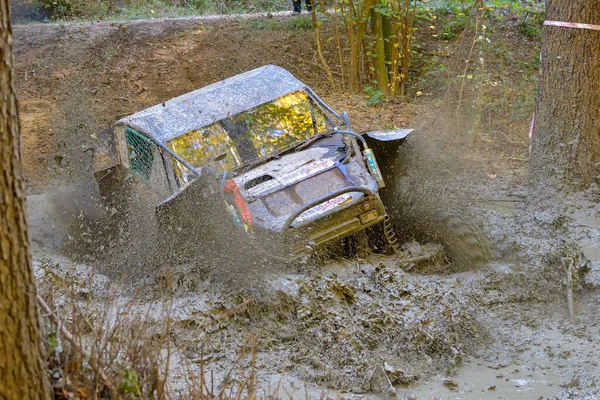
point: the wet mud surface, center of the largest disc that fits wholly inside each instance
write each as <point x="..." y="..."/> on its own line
<point x="364" y="328"/>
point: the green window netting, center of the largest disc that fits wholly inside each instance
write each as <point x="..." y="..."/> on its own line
<point x="141" y="153"/>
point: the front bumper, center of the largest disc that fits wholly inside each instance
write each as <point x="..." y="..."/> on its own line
<point x="340" y="223"/>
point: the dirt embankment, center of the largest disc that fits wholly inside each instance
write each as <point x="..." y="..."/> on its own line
<point x="75" y="80"/>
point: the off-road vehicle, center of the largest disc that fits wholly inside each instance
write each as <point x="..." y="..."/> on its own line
<point x="262" y="148"/>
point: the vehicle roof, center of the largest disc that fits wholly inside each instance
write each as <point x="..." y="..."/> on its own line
<point x="215" y="102"/>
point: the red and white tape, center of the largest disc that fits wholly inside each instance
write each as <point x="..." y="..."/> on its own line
<point x="572" y="25"/>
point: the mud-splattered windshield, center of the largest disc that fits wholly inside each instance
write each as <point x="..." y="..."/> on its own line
<point x="251" y="135"/>
<point x="276" y="126"/>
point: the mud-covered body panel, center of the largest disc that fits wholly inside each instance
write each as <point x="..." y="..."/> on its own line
<point x="215" y="102"/>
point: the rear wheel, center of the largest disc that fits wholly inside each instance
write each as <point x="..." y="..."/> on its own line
<point x="128" y="240"/>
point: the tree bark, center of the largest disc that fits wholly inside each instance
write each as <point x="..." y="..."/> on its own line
<point x="566" y="144"/>
<point x="22" y="372"/>
<point x="381" y="74"/>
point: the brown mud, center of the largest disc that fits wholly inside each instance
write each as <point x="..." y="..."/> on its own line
<point x="354" y="326"/>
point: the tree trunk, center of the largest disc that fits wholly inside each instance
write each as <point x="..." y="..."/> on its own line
<point x="356" y="18"/>
<point x="406" y="37"/>
<point x="566" y="144"/>
<point x="381" y="74"/>
<point x="386" y="27"/>
<point x="22" y="372"/>
<point x="317" y="27"/>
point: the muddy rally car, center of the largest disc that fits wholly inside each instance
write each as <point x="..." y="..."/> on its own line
<point x="257" y="158"/>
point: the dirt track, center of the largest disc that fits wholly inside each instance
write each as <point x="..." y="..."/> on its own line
<point x="501" y="331"/>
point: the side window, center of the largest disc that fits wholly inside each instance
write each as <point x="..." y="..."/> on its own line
<point x="207" y="146"/>
<point x="141" y="153"/>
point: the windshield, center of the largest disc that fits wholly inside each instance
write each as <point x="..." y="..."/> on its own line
<point x="251" y="135"/>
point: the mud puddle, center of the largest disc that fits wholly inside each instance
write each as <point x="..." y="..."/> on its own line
<point x="480" y="380"/>
<point x="536" y="352"/>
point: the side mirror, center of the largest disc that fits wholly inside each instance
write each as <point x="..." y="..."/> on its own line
<point x="389" y="135"/>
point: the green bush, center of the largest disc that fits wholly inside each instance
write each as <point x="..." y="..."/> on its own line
<point x="76" y="9"/>
<point x="299" y="24"/>
<point x="454" y="26"/>
<point x="532" y="23"/>
<point x="375" y="96"/>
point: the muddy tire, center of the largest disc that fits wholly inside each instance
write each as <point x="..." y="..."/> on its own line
<point x="465" y="245"/>
<point x="418" y="213"/>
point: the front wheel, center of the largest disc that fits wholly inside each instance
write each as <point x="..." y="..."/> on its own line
<point x="465" y="245"/>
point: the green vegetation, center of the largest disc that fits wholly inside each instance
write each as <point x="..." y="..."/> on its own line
<point x="454" y="26"/>
<point x="532" y="23"/>
<point x="374" y="95"/>
<point x="299" y="23"/>
<point x="263" y="24"/>
<point x="79" y="10"/>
